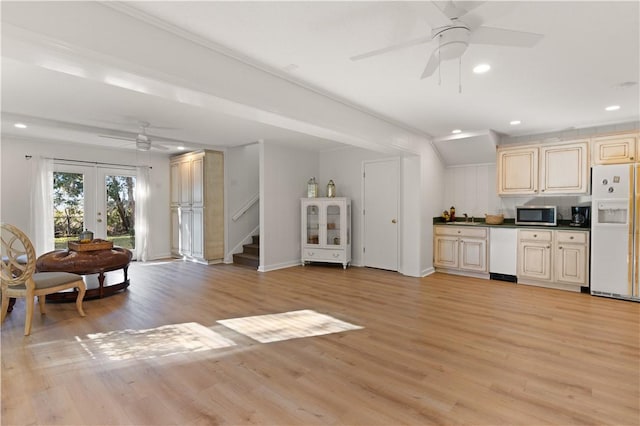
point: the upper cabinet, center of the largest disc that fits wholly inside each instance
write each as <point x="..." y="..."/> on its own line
<point x="544" y="169"/>
<point x="616" y="149"/>
<point x="564" y="169"/>
<point x="518" y="170"/>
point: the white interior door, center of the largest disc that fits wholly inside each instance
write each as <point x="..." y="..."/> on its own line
<point x="381" y="201"/>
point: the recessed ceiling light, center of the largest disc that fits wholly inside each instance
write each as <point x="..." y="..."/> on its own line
<point x="20" y="125"/>
<point x="456" y="131"/>
<point x="180" y="148"/>
<point x="481" y="68"/>
<point x="515" y="122"/>
<point x="612" y="108"/>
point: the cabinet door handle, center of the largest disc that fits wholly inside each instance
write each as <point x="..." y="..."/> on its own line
<point x="548" y="246"/>
<point x="394" y="221"/>
<point x="560" y="248"/>
<point x="571" y="238"/>
<point x="535" y="235"/>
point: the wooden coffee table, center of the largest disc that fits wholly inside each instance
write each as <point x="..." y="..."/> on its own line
<point x="87" y="263"/>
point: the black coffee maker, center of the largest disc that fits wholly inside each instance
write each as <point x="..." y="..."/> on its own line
<point x="581" y="216"/>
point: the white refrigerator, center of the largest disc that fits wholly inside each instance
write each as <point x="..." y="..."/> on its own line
<point x="615" y="231"/>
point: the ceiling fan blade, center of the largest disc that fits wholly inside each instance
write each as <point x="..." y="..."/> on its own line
<point x="432" y="65"/>
<point x="502" y="37"/>
<point x="431" y="13"/>
<point x="391" y="48"/>
<point x="118" y="137"/>
<point x="468" y="6"/>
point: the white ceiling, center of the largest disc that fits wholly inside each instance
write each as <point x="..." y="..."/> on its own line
<point x="589" y="49"/>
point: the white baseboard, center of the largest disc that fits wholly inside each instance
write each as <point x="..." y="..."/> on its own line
<point x="428" y="271"/>
<point x="282" y="265"/>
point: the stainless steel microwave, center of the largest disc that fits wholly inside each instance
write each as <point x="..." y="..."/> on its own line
<point x="537" y="215"/>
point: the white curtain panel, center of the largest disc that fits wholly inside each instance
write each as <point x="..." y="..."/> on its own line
<point x="142" y="211"/>
<point x="42" y="234"/>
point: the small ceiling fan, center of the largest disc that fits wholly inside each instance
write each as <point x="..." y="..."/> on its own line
<point x="142" y="140"/>
<point x="453" y="28"/>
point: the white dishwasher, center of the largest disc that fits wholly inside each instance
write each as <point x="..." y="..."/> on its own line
<point x="503" y="252"/>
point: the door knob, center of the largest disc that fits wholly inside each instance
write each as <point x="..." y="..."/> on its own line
<point x="394" y="221"/>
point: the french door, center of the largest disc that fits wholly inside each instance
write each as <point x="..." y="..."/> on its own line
<point x="95" y="198"/>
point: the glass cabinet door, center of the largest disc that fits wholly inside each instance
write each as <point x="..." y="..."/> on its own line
<point x="333" y="215"/>
<point x="313" y="224"/>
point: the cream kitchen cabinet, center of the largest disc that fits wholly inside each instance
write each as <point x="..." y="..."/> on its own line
<point x="553" y="258"/>
<point x="564" y="168"/>
<point x="544" y="169"/>
<point x="197" y="206"/>
<point x="461" y="250"/>
<point x="326" y="230"/>
<point x="518" y="170"/>
<point x="615" y="149"/>
<point x="534" y="255"/>
<point x="571" y="257"/>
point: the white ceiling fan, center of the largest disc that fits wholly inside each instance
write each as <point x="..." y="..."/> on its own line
<point x="142" y="140"/>
<point x="453" y="28"/>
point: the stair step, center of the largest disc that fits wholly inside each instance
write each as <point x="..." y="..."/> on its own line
<point x="246" y="259"/>
<point x="256" y="239"/>
<point x="251" y="249"/>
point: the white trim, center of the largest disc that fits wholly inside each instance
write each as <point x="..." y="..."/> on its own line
<point x="428" y="271"/>
<point x="282" y="265"/>
<point x="228" y="258"/>
<point x="245" y="207"/>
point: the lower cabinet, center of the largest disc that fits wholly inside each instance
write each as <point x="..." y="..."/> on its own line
<point x="553" y="258"/>
<point x="461" y="250"/>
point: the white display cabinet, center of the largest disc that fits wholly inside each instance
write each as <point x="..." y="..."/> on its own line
<point x="326" y="230"/>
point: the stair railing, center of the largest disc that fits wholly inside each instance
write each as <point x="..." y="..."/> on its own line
<point x="245" y="207"/>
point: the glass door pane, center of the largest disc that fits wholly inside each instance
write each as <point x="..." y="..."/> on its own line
<point x="117" y="219"/>
<point x="313" y="224"/>
<point x="68" y="207"/>
<point x="333" y="225"/>
<point x="73" y="202"/>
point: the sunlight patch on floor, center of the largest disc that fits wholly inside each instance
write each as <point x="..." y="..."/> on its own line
<point x="151" y="343"/>
<point x="287" y="325"/>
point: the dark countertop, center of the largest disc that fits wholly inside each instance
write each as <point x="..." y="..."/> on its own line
<point x="509" y="223"/>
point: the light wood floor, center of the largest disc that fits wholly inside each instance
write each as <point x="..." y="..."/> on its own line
<point x="437" y="350"/>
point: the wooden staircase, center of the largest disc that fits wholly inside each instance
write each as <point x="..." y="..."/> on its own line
<point x="250" y="255"/>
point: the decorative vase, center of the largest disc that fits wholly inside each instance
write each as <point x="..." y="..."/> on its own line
<point x="312" y="188"/>
<point x="331" y="189"/>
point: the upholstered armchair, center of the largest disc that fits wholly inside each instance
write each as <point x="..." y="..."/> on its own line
<point x="20" y="279"/>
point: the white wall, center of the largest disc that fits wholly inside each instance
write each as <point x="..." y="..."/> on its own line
<point x="284" y="172"/>
<point x="432" y="198"/>
<point x="410" y="225"/>
<point x="16" y="181"/>
<point x="472" y="190"/>
<point x="242" y="184"/>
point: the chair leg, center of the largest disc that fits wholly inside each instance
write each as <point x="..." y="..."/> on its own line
<point x="29" y="301"/>
<point x="41" y="300"/>
<point x="5" y="307"/>
<point x="82" y="288"/>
